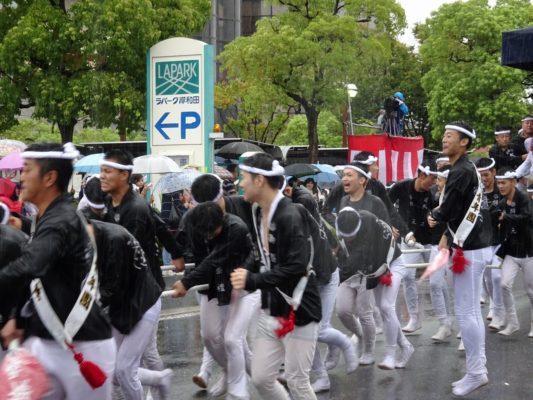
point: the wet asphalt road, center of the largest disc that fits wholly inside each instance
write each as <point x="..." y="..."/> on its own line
<point x="428" y="375"/>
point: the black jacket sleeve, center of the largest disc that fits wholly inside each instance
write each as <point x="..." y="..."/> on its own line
<point x="165" y="236"/>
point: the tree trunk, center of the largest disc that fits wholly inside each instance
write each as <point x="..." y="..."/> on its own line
<point x="312" y="133"/>
<point x="122" y="134"/>
<point x="67" y="131"/>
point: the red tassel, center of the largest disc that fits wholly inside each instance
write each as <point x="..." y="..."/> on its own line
<point x="287" y="324"/>
<point x="386" y="279"/>
<point x="92" y="373"/>
<point x="459" y="263"/>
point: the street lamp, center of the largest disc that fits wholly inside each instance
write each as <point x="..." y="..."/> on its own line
<point x="352" y="92"/>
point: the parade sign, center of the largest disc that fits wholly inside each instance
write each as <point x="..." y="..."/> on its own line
<point x="180" y="104"/>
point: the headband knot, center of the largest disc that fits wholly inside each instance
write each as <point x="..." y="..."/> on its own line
<point x="462" y="130"/>
<point x="69" y="153"/>
<point x="277" y="170"/>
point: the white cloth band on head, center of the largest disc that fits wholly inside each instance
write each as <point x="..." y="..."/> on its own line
<point x="426" y="170"/>
<point x="444" y="174"/>
<point x="369" y="161"/>
<point x="502" y="132"/>
<point x="527" y="119"/>
<point x="69" y="153"/>
<point x="94" y="205"/>
<point x="507" y="175"/>
<point x="107" y="163"/>
<point x="354" y="232"/>
<point x="442" y="159"/>
<point x="462" y="130"/>
<point x="530" y="189"/>
<point x="490" y="166"/>
<point x="361" y="171"/>
<point x="277" y="170"/>
<point x="7" y="213"/>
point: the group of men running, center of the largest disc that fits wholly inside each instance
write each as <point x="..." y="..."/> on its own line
<point x="85" y="285"/>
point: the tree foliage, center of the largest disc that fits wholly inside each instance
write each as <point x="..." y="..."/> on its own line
<point x="461" y="46"/>
<point x="329" y="131"/>
<point x="310" y="52"/>
<point x="87" y="61"/>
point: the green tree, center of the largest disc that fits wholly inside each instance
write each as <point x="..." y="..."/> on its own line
<point x="329" y="131"/>
<point x="87" y="61"/>
<point x="461" y="47"/>
<point x="311" y="51"/>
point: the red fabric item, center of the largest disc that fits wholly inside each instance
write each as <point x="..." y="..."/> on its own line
<point x="398" y="156"/>
<point x="14" y="206"/>
<point x="7" y="188"/>
<point x="386" y="279"/>
<point x="92" y="373"/>
<point x="459" y="262"/>
<point x="286" y="324"/>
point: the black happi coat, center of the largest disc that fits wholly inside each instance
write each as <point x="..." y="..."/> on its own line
<point x="516" y="228"/>
<point x="493" y="200"/>
<point x="505" y="158"/>
<point x="60" y="254"/>
<point x="377" y="188"/>
<point x="127" y="286"/>
<point x="461" y="187"/>
<point x="368" y="202"/>
<point x="218" y="257"/>
<point x="414" y="207"/>
<point x="289" y="256"/>
<point x="11" y="242"/>
<point x="368" y="250"/>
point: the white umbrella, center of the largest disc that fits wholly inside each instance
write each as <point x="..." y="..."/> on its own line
<point x="154" y="164"/>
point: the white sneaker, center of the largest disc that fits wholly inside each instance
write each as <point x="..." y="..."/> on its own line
<point x="496" y="324"/>
<point x="405" y="354"/>
<point x="351" y="357"/>
<point x="201" y="380"/>
<point x="332" y="357"/>
<point x="469" y="384"/>
<point x="220" y="387"/>
<point x="461" y="346"/>
<point x="164" y="386"/>
<point x="455" y="383"/>
<point x="367" y="359"/>
<point x="530" y="334"/>
<point x="509" y="330"/>
<point x="443" y="333"/>
<point x="322" y="384"/>
<point x="388" y="363"/>
<point x="412" y="326"/>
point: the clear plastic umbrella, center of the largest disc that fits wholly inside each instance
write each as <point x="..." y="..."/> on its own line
<point x="8" y="146"/>
<point x="154" y="164"/>
<point x="173" y="182"/>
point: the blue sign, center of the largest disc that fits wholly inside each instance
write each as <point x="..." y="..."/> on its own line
<point x="188" y="120"/>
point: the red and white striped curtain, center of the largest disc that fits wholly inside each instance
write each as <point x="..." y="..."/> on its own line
<point x="398" y="156"/>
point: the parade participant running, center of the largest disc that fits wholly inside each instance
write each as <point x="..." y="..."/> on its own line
<point x="60" y="260"/>
<point x="492" y="278"/>
<point x="286" y="332"/>
<point x="516" y="234"/>
<point x="460" y="208"/>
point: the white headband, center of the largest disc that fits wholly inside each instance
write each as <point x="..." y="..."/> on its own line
<point x="444" y="174"/>
<point x="462" y="130"/>
<point x="277" y="170"/>
<point x="530" y="189"/>
<point x="527" y="119"/>
<point x="361" y="171"/>
<point x="354" y="232"/>
<point x="94" y="205"/>
<point x="115" y="165"/>
<point x="502" y="132"/>
<point x="69" y="153"/>
<point x="7" y="213"/>
<point x="490" y="166"/>
<point x="426" y="170"/>
<point x="369" y="161"/>
<point x="219" y="194"/>
<point x="441" y="159"/>
<point x="507" y="175"/>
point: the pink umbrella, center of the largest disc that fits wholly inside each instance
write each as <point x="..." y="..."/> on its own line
<point x="11" y="161"/>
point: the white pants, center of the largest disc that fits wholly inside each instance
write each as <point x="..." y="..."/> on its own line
<point x="326" y="333"/>
<point x="492" y="279"/>
<point x="410" y="289"/>
<point x="440" y="295"/>
<point x="296" y="350"/>
<point x="65" y="379"/>
<point x="386" y="301"/>
<point x="467" y="290"/>
<point x="224" y="331"/>
<point x="208" y="361"/>
<point x="510" y="268"/>
<point x="130" y="349"/>
<point x="355" y="301"/>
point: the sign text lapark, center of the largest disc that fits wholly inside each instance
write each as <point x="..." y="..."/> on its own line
<point x="177" y="77"/>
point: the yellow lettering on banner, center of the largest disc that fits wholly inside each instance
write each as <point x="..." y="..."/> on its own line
<point x="471" y="217"/>
<point x="85" y="300"/>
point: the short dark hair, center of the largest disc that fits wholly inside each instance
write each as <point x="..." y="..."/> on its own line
<point x="136" y="177"/>
<point x="206" y="218"/>
<point x="93" y="191"/>
<point x="205" y="188"/>
<point x="264" y="161"/>
<point x="503" y="170"/>
<point x="62" y="166"/>
<point x="446" y="167"/>
<point x="120" y="156"/>
<point x="464" y="125"/>
<point x="484" y="162"/>
<point x="363" y="156"/>
<point x="428" y="163"/>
